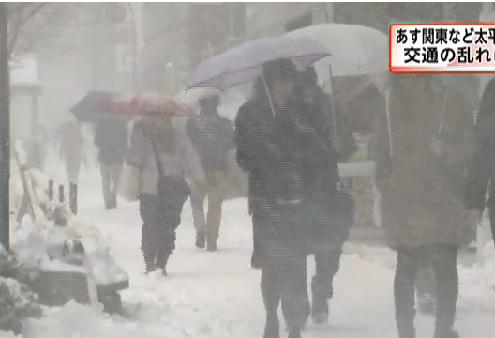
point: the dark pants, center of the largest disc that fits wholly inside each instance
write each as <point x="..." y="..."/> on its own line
<point x="330" y="231"/>
<point x="160" y="220"/>
<point x="327" y="266"/>
<point x="444" y="261"/>
<point x="425" y="287"/>
<point x="284" y="269"/>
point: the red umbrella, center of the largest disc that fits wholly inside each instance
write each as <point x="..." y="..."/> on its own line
<point x="142" y="104"/>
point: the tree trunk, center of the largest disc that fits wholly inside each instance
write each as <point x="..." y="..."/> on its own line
<point x="4" y="129"/>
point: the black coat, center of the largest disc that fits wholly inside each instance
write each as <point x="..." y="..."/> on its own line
<point x="288" y="155"/>
<point x="481" y="169"/>
<point x="212" y="145"/>
<point x="111" y="140"/>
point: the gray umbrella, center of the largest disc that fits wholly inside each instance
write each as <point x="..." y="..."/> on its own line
<point x="243" y="64"/>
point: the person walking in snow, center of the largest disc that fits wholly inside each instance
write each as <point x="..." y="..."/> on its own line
<point x="481" y="173"/>
<point x="72" y="149"/>
<point x="168" y="165"/>
<point x="330" y="206"/>
<point x="293" y="176"/>
<point x="265" y="149"/>
<point x="419" y="151"/>
<point x="212" y="137"/>
<point x="111" y="141"/>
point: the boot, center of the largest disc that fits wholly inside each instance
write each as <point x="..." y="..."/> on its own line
<point x="162" y="260"/>
<point x="200" y="240"/>
<point x="271" y="327"/>
<point x="406" y="329"/>
<point x="319" y="306"/>
<point x="295" y="333"/>
<point x="449" y="333"/>
<point x="149" y="264"/>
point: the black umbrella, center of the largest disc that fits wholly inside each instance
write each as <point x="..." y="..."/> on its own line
<point x="93" y="106"/>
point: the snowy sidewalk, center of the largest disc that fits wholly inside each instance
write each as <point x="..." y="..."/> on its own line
<point x="217" y="294"/>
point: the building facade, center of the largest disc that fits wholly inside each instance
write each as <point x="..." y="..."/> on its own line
<point x="177" y="37"/>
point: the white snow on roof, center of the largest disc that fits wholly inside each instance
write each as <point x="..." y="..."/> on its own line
<point x="24" y="71"/>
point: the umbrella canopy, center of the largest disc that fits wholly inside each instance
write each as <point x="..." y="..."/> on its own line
<point x="356" y="49"/>
<point x="243" y="64"/>
<point x="145" y="103"/>
<point x="92" y="106"/>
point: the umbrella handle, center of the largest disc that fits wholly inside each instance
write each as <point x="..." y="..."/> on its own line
<point x="272" y="107"/>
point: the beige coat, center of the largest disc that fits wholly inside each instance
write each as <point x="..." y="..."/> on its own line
<point x="184" y="161"/>
<point x="421" y="204"/>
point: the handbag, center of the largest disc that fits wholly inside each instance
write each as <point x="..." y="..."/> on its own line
<point x="332" y="217"/>
<point x="170" y="186"/>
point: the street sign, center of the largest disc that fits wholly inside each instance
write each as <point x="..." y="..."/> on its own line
<point x="124" y="58"/>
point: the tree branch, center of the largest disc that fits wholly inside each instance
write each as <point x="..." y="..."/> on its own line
<point x="21" y="20"/>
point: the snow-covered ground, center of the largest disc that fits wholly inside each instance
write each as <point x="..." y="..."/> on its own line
<point x="217" y="294"/>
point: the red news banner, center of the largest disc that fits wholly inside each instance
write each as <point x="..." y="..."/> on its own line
<point x="442" y="48"/>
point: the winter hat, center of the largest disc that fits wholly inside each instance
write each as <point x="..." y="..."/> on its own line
<point x="309" y="76"/>
<point x="209" y="101"/>
<point x="281" y="68"/>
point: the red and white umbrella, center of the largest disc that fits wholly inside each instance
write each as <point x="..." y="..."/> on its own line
<point x="146" y="103"/>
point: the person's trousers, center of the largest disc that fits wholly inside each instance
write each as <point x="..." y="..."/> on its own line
<point x="211" y="190"/>
<point x="285" y="281"/>
<point x="327" y="264"/>
<point x="110" y="179"/>
<point x="73" y="169"/>
<point x="444" y="262"/>
<point x="425" y="284"/>
<point x="283" y="270"/>
<point x="160" y="220"/>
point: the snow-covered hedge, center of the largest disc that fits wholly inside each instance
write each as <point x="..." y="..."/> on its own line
<point x="17" y="300"/>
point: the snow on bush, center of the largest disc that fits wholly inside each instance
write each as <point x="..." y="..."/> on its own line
<point x="17" y="301"/>
<point x="42" y="244"/>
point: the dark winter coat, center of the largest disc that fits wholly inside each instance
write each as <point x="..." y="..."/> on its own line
<point x="284" y="155"/>
<point x="341" y="133"/>
<point x="212" y="140"/>
<point x="421" y="177"/>
<point x="111" y="140"/>
<point x="482" y="166"/>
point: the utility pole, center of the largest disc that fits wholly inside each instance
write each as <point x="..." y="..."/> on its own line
<point x="4" y="130"/>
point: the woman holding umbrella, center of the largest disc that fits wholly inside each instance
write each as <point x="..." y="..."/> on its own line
<point x="165" y="162"/>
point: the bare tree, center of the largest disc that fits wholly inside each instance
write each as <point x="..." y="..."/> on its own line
<point x="18" y="15"/>
<point x="40" y="27"/>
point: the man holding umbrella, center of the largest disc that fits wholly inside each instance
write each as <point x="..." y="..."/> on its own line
<point x="269" y="148"/>
<point x="212" y="137"/>
<point x="267" y="151"/>
<point x="110" y="139"/>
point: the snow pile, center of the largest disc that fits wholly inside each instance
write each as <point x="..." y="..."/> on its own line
<point x="475" y="281"/>
<point x="42" y="243"/>
<point x="17" y="301"/>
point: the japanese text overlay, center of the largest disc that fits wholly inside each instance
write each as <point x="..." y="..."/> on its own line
<point x="445" y="48"/>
